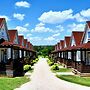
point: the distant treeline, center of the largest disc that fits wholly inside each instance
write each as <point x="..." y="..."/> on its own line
<point x="43" y="50"/>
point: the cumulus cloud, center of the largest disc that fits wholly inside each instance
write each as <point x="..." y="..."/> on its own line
<point x="22" y="4"/>
<point x="19" y="16"/>
<point x="79" y="18"/>
<point x="49" y="38"/>
<point x="59" y="28"/>
<point x="85" y="13"/>
<point x="6" y="17"/>
<point x="76" y="27"/>
<point x="53" y="17"/>
<point x="22" y="30"/>
<point x="56" y="35"/>
<point x="26" y="25"/>
<point x="41" y="28"/>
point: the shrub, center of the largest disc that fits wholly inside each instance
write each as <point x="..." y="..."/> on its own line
<point x="50" y="62"/>
<point x="55" y="67"/>
<point x="34" y="61"/>
<point x="27" y="67"/>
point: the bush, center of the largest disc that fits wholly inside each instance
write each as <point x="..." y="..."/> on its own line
<point x="27" y="67"/>
<point x="50" y="62"/>
<point x="55" y="67"/>
<point x="34" y="61"/>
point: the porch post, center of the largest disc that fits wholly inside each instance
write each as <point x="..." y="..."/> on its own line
<point x="11" y="53"/>
<point x="85" y="56"/>
<point x="81" y="56"/>
<point x="18" y="54"/>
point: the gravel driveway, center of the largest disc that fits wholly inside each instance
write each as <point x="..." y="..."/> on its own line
<point x="43" y="79"/>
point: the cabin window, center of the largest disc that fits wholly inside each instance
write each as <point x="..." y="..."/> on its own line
<point x="69" y="55"/>
<point x="59" y="54"/>
<point x="88" y="58"/>
<point x="62" y="54"/>
<point x="3" y="55"/>
<point x="89" y="35"/>
<point x="78" y="56"/>
<point x="20" y="53"/>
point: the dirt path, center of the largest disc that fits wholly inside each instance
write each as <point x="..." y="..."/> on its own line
<point x="43" y="79"/>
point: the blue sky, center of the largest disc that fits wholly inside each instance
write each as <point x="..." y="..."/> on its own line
<point x="45" y="22"/>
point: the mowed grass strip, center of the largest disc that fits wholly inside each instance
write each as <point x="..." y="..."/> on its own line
<point x="76" y="79"/>
<point x="12" y="83"/>
<point x="62" y="70"/>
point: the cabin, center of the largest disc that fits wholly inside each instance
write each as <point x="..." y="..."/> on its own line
<point x="76" y="38"/>
<point x="67" y="53"/>
<point x="83" y="53"/>
<point x="61" y="52"/>
<point x="4" y="37"/>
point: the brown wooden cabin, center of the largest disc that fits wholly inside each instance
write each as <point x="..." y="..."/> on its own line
<point x="67" y="53"/>
<point x="11" y="51"/>
<point x="60" y="52"/>
<point x="82" y="52"/>
<point x="76" y="38"/>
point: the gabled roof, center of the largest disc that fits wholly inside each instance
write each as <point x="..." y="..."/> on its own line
<point x="67" y="40"/>
<point x="62" y="44"/>
<point x="29" y="45"/>
<point x="88" y="23"/>
<point x="86" y="28"/>
<point x="25" y="42"/>
<point x="58" y="45"/>
<point x="1" y="21"/>
<point x="21" y="38"/>
<point x="12" y="34"/>
<point x="77" y="36"/>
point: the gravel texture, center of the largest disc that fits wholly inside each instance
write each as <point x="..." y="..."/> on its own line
<point x="43" y="79"/>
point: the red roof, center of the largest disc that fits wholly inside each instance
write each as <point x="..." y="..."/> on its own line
<point x="67" y="40"/>
<point x="12" y="34"/>
<point x="62" y="43"/>
<point x="7" y="43"/>
<point x="25" y="42"/>
<point x="21" y="39"/>
<point x="1" y="21"/>
<point x="58" y="46"/>
<point x="77" y="36"/>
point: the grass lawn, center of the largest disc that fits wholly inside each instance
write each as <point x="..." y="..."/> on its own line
<point x="62" y="70"/>
<point x="76" y="79"/>
<point x="12" y="83"/>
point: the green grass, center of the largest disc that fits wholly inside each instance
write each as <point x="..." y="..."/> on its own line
<point x="31" y="70"/>
<point x="12" y="83"/>
<point x="62" y="70"/>
<point x="76" y="79"/>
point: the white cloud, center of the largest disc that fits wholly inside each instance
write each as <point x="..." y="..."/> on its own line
<point x="56" y="34"/>
<point x="22" y="30"/>
<point x="26" y="25"/>
<point x="49" y="38"/>
<point x="22" y="4"/>
<point x="76" y="27"/>
<point x="6" y="17"/>
<point x="53" y="17"/>
<point x="79" y="18"/>
<point x="41" y="28"/>
<point x="19" y="16"/>
<point x="85" y="13"/>
<point x="28" y="35"/>
<point x="60" y="28"/>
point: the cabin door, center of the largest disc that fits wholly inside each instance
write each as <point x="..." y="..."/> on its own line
<point x="88" y="58"/>
<point x="2" y="55"/>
